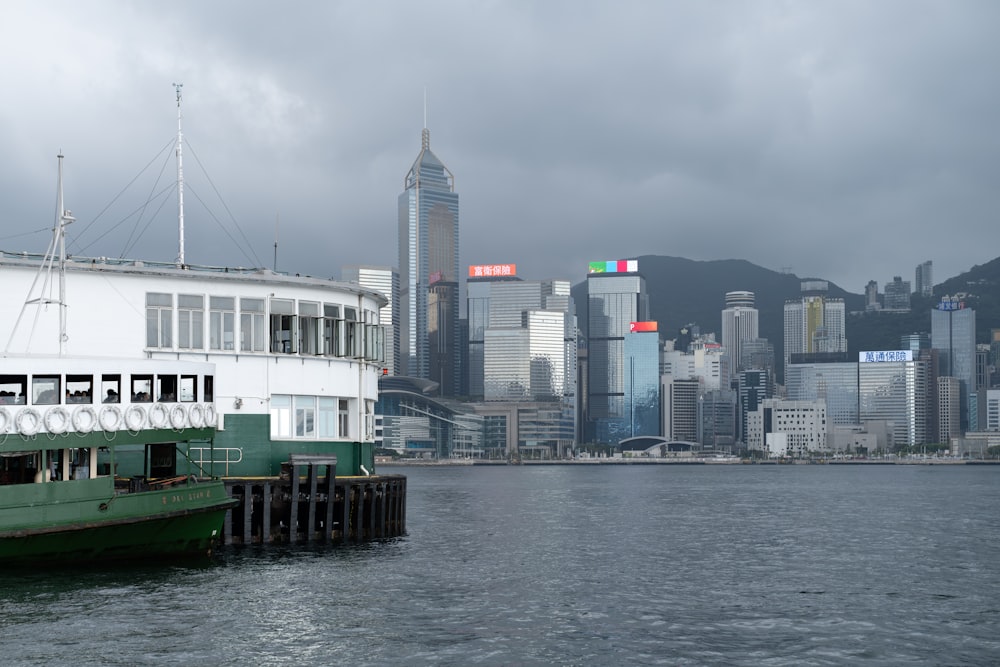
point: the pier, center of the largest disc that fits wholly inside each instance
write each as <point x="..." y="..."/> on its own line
<point x="309" y="503"/>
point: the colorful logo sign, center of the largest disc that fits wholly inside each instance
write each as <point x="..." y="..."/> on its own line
<point x="492" y="270"/>
<point x="636" y="327"/>
<point x="614" y="266"/>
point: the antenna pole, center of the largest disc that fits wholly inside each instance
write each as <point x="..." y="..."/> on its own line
<point x="65" y="217"/>
<point x="180" y="181"/>
<point x="277" y="218"/>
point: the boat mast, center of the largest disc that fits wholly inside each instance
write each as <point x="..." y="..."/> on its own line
<point x="180" y="181"/>
<point x="65" y="218"/>
<point x="57" y="247"/>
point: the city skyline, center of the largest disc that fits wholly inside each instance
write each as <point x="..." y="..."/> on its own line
<point x="681" y="131"/>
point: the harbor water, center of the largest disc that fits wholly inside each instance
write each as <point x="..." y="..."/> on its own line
<point x="574" y="565"/>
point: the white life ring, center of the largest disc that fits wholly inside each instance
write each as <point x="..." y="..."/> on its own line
<point x="28" y="421"/>
<point x="57" y="420"/>
<point x="84" y="419"/>
<point x="158" y="415"/>
<point x="178" y="416"/>
<point x="135" y="417"/>
<point x="197" y="415"/>
<point x="211" y="416"/>
<point x="4" y="419"/>
<point x="110" y="417"/>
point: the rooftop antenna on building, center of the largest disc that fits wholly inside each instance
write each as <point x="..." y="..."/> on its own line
<point x="180" y="181"/>
<point x="425" y="136"/>
<point x="277" y="218"/>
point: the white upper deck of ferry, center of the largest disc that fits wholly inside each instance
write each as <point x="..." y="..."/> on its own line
<point x="277" y="341"/>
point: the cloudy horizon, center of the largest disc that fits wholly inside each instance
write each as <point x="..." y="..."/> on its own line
<point x="848" y="141"/>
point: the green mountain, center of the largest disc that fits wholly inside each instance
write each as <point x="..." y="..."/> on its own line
<point x="684" y="292"/>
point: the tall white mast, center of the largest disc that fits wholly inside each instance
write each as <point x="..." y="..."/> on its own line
<point x="57" y="247"/>
<point x="65" y="217"/>
<point x="180" y="181"/>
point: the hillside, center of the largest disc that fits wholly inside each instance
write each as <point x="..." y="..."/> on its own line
<point x="683" y="291"/>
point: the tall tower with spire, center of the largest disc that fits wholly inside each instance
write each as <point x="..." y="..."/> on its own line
<point x="428" y="272"/>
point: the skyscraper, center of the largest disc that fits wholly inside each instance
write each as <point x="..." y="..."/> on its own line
<point x="814" y="322"/>
<point x="386" y="280"/>
<point x="428" y="272"/>
<point x="892" y="388"/>
<point x="953" y="335"/>
<point x="616" y="297"/>
<point x="642" y="380"/>
<point x="924" y="284"/>
<point x="897" y="295"/>
<point x="739" y="324"/>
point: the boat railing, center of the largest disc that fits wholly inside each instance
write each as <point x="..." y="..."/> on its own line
<point x="209" y="456"/>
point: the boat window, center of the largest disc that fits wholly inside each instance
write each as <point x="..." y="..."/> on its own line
<point x="191" y="321"/>
<point x="222" y="320"/>
<point x="166" y="388"/>
<point x="252" y="337"/>
<point x="305" y="416"/>
<point x="79" y="388"/>
<point x="159" y="319"/>
<point x="343" y="418"/>
<point x="80" y="463"/>
<point x="353" y="335"/>
<point x="111" y="388"/>
<point x="13" y="389"/>
<point x="333" y="337"/>
<point x="142" y="388"/>
<point x="331" y="310"/>
<point x="45" y="389"/>
<point x="209" y="388"/>
<point x="281" y="416"/>
<point x="283" y="326"/>
<point x="310" y="328"/>
<point x="281" y="334"/>
<point x="189" y="388"/>
<point x="327" y="417"/>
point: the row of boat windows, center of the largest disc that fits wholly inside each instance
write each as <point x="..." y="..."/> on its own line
<point x="48" y="465"/>
<point x="72" y="389"/>
<point x="319" y="417"/>
<point x="246" y="325"/>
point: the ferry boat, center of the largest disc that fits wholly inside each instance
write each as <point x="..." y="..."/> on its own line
<point x="298" y="358"/>
<point x="66" y="427"/>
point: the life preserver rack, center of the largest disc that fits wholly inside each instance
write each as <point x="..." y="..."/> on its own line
<point x="29" y="420"/>
<point x="77" y="396"/>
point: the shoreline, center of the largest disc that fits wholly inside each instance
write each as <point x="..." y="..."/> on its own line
<point x="401" y="463"/>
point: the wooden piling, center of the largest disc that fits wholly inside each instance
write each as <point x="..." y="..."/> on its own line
<point x="308" y="503"/>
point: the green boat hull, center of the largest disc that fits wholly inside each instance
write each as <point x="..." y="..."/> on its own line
<point x="87" y="520"/>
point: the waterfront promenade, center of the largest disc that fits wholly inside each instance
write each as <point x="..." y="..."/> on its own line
<point x="684" y="461"/>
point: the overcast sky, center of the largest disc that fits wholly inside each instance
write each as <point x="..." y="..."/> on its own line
<point x="844" y="140"/>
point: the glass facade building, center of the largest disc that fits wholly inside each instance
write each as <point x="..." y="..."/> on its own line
<point x="953" y="335"/>
<point x="614" y="301"/>
<point x="642" y="383"/>
<point x="893" y="388"/>
<point x="836" y="383"/>
<point x="523" y="352"/>
<point x="428" y="273"/>
<point x="814" y="322"/>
